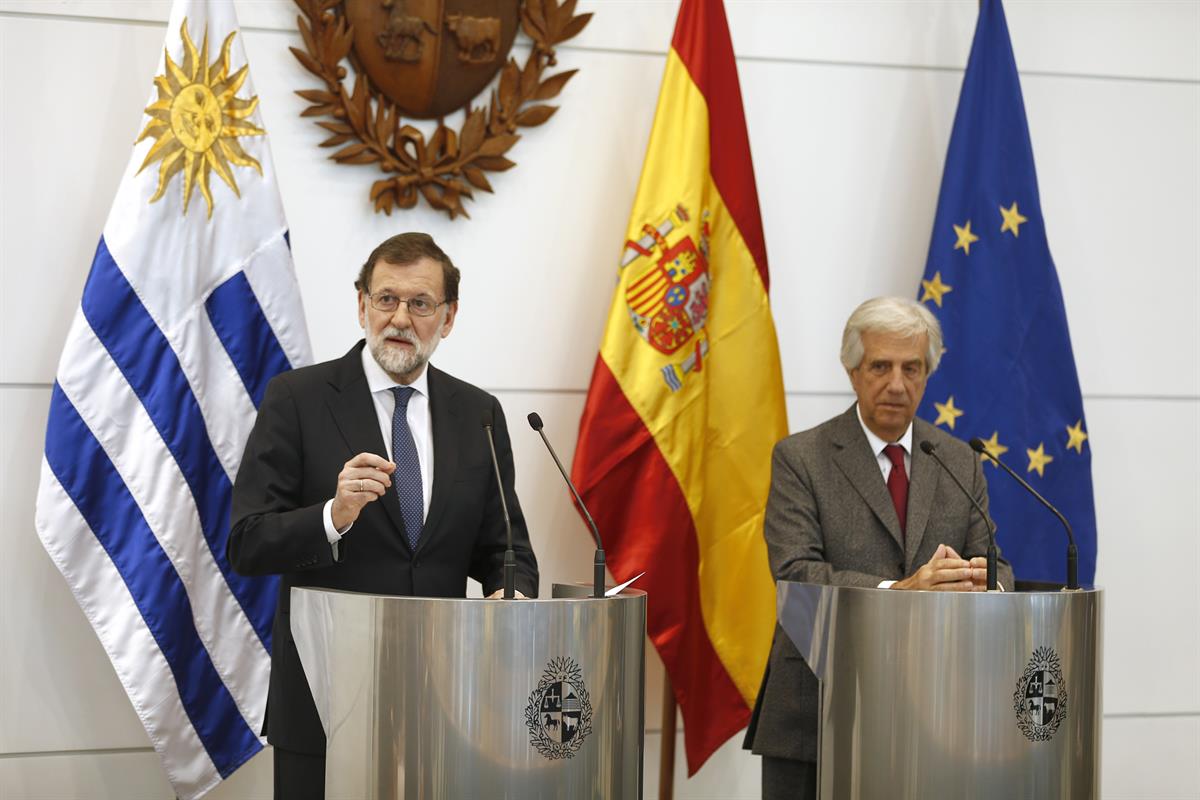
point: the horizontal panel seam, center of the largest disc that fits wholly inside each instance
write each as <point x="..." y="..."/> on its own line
<point x="662" y="53"/>
<point x="654" y="731"/>
<point x="1166" y="398"/>
<point x="99" y="751"/>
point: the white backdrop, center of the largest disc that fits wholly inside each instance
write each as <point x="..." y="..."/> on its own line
<point x="849" y="106"/>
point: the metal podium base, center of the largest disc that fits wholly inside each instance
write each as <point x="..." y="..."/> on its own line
<point x="950" y="694"/>
<point x="451" y="698"/>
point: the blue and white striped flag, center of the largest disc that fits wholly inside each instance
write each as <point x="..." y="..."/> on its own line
<point x="190" y="308"/>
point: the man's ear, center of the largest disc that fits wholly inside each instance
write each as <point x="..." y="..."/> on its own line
<point x="362" y="309"/>
<point x="448" y="322"/>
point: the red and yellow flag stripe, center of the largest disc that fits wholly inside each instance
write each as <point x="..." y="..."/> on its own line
<point x="686" y="399"/>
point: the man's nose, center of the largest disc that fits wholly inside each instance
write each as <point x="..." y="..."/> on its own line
<point x="896" y="381"/>
<point x="400" y="317"/>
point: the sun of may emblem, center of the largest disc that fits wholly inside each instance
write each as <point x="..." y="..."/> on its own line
<point x="197" y="119"/>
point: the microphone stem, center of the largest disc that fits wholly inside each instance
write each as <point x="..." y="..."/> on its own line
<point x="1072" y="550"/>
<point x="598" y="561"/>
<point x="510" y="557"/>
<point x="992" y="554"/>
<point x="578" y="500"/>
<point x="535" y="422"/>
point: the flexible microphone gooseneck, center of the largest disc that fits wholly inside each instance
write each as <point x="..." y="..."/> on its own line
<point x="510" y="558"/>
<point x="930" y="449"/>
<point x="535" y="422"/>
<point x="1072" y="551"/>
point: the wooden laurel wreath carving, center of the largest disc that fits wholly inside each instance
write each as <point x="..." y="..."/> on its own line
<point x="367" y="125"/>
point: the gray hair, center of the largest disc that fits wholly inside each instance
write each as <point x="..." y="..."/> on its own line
<point x="895" y="315"/>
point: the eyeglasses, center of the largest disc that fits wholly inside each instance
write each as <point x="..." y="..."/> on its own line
<point x="420" y="306"/>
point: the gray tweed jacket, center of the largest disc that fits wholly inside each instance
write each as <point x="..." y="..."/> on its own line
<point x="830" y="520"/>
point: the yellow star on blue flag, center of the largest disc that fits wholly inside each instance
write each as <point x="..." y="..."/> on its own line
<point x="1009" y="358"/>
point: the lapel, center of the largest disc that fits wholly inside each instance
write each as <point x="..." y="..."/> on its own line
<point x="852" y="454"/>
<point x="922" y="486"/>
<point x="443" y="411"/>
<point x="353" y="412"/>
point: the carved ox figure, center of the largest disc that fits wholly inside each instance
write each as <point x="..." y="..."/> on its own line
<point x="478" y="38"/>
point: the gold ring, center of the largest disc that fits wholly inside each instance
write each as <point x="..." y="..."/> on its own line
<point x="360" y="484"/>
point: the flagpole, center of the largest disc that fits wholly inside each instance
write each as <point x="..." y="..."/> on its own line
<point x="666" y="760"/>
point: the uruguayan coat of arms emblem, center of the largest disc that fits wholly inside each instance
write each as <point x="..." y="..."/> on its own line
<point x="1040" y="699"/>
<point x="559" y="714"/>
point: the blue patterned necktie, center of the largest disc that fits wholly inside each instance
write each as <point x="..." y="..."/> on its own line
<point x="406" y="480"/>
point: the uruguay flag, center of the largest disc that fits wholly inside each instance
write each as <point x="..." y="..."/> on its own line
<point x="190" y="307"/>
<point x="1008" y="375"/>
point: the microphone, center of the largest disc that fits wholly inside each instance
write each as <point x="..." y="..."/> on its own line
<point x="929" y="449"/>
<point x="510" y="558"/>
<point x="1072" y="551"/>
<point x="535" y="422"/>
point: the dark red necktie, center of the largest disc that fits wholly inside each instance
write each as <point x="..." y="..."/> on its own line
<point x="897" y="483"/>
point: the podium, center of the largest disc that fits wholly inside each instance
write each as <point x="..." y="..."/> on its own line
<point x="449" y="698"/>
<point x="951" y="694"/>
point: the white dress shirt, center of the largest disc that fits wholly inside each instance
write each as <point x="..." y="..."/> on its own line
<point x="877" y="445"/>
<point x="885" y="463"/>
<point x="420" y="422"/>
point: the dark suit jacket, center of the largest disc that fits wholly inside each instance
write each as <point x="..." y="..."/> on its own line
<point x="830" y="520"/>
<point x="312" y="421"/>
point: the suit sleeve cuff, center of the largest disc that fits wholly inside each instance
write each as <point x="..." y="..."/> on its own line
<point x="332" y="533"/>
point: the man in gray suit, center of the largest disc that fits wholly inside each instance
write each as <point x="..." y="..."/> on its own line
<point x="844" y="511"/>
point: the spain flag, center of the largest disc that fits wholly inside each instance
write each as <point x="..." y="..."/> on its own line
<point x="686" y="400"/>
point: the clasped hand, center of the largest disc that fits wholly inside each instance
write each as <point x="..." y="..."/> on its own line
<point x="947" y="571"/>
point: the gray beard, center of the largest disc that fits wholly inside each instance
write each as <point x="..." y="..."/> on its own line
<point x="400" y="364"/>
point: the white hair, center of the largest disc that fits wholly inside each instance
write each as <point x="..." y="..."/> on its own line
<point x="899" y="316"/>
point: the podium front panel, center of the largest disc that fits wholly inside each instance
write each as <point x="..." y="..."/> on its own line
<point x="950" y="694"/>
<point x="453" y="698"/>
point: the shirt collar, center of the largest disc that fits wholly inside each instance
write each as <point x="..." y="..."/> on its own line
<point x="380" y="381"/>
<point x="876" y="443"/>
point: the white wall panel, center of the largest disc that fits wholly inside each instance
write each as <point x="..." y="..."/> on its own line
<point x="848" y="162"/>
<point x="128" y="775"/>
<point x="84" y="776"/>
<point x="1145" y="470"/>
<point x="58" y="690"/>
<point x="1151" y="758"/>
<point x="1119" y="170"/>
<point x="1129" y="37"/>
<point x="68" y="123"/>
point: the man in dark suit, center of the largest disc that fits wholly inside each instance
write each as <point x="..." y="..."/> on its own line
<point x="843" y="511"/>
<point x="372" y="473"/>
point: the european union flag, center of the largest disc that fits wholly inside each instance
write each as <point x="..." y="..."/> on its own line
<point x="1008" y="374"/>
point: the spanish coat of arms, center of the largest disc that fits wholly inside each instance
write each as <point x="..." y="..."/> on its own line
<point x="667" y="289"/>
<point x="426" y="59"/>
<point x="1040" y="699"/>
<point x="559" y="714"/>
